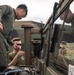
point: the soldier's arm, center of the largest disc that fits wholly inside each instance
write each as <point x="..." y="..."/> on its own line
<point x="5" y="10"/>
<point x="14" y="61"/>
<point x="18" y="55"/>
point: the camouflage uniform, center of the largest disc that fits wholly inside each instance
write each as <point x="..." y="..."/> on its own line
<point x="7" y="17"/>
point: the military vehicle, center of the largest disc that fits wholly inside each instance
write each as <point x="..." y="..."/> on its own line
<point x="49" y="48"/>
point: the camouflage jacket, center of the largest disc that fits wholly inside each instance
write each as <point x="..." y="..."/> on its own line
<point x="7" y="17"/>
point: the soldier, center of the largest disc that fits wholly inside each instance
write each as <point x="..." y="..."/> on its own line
<point x="69" y="15"/>
<point x="7" y="18"/>
<point x="69" y="18"/>
<point x="17" y="56"/>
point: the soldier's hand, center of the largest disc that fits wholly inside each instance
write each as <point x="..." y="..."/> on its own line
<point x="21" y="53"/>
<point x="1" y="26"/>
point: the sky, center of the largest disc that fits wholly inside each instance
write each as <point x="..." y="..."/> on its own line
<point x="38" y="10"/>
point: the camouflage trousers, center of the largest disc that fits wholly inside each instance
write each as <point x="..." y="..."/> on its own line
<point x="3" y="52"/>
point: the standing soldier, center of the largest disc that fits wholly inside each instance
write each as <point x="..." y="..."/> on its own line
<point x="7" y="18"/>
